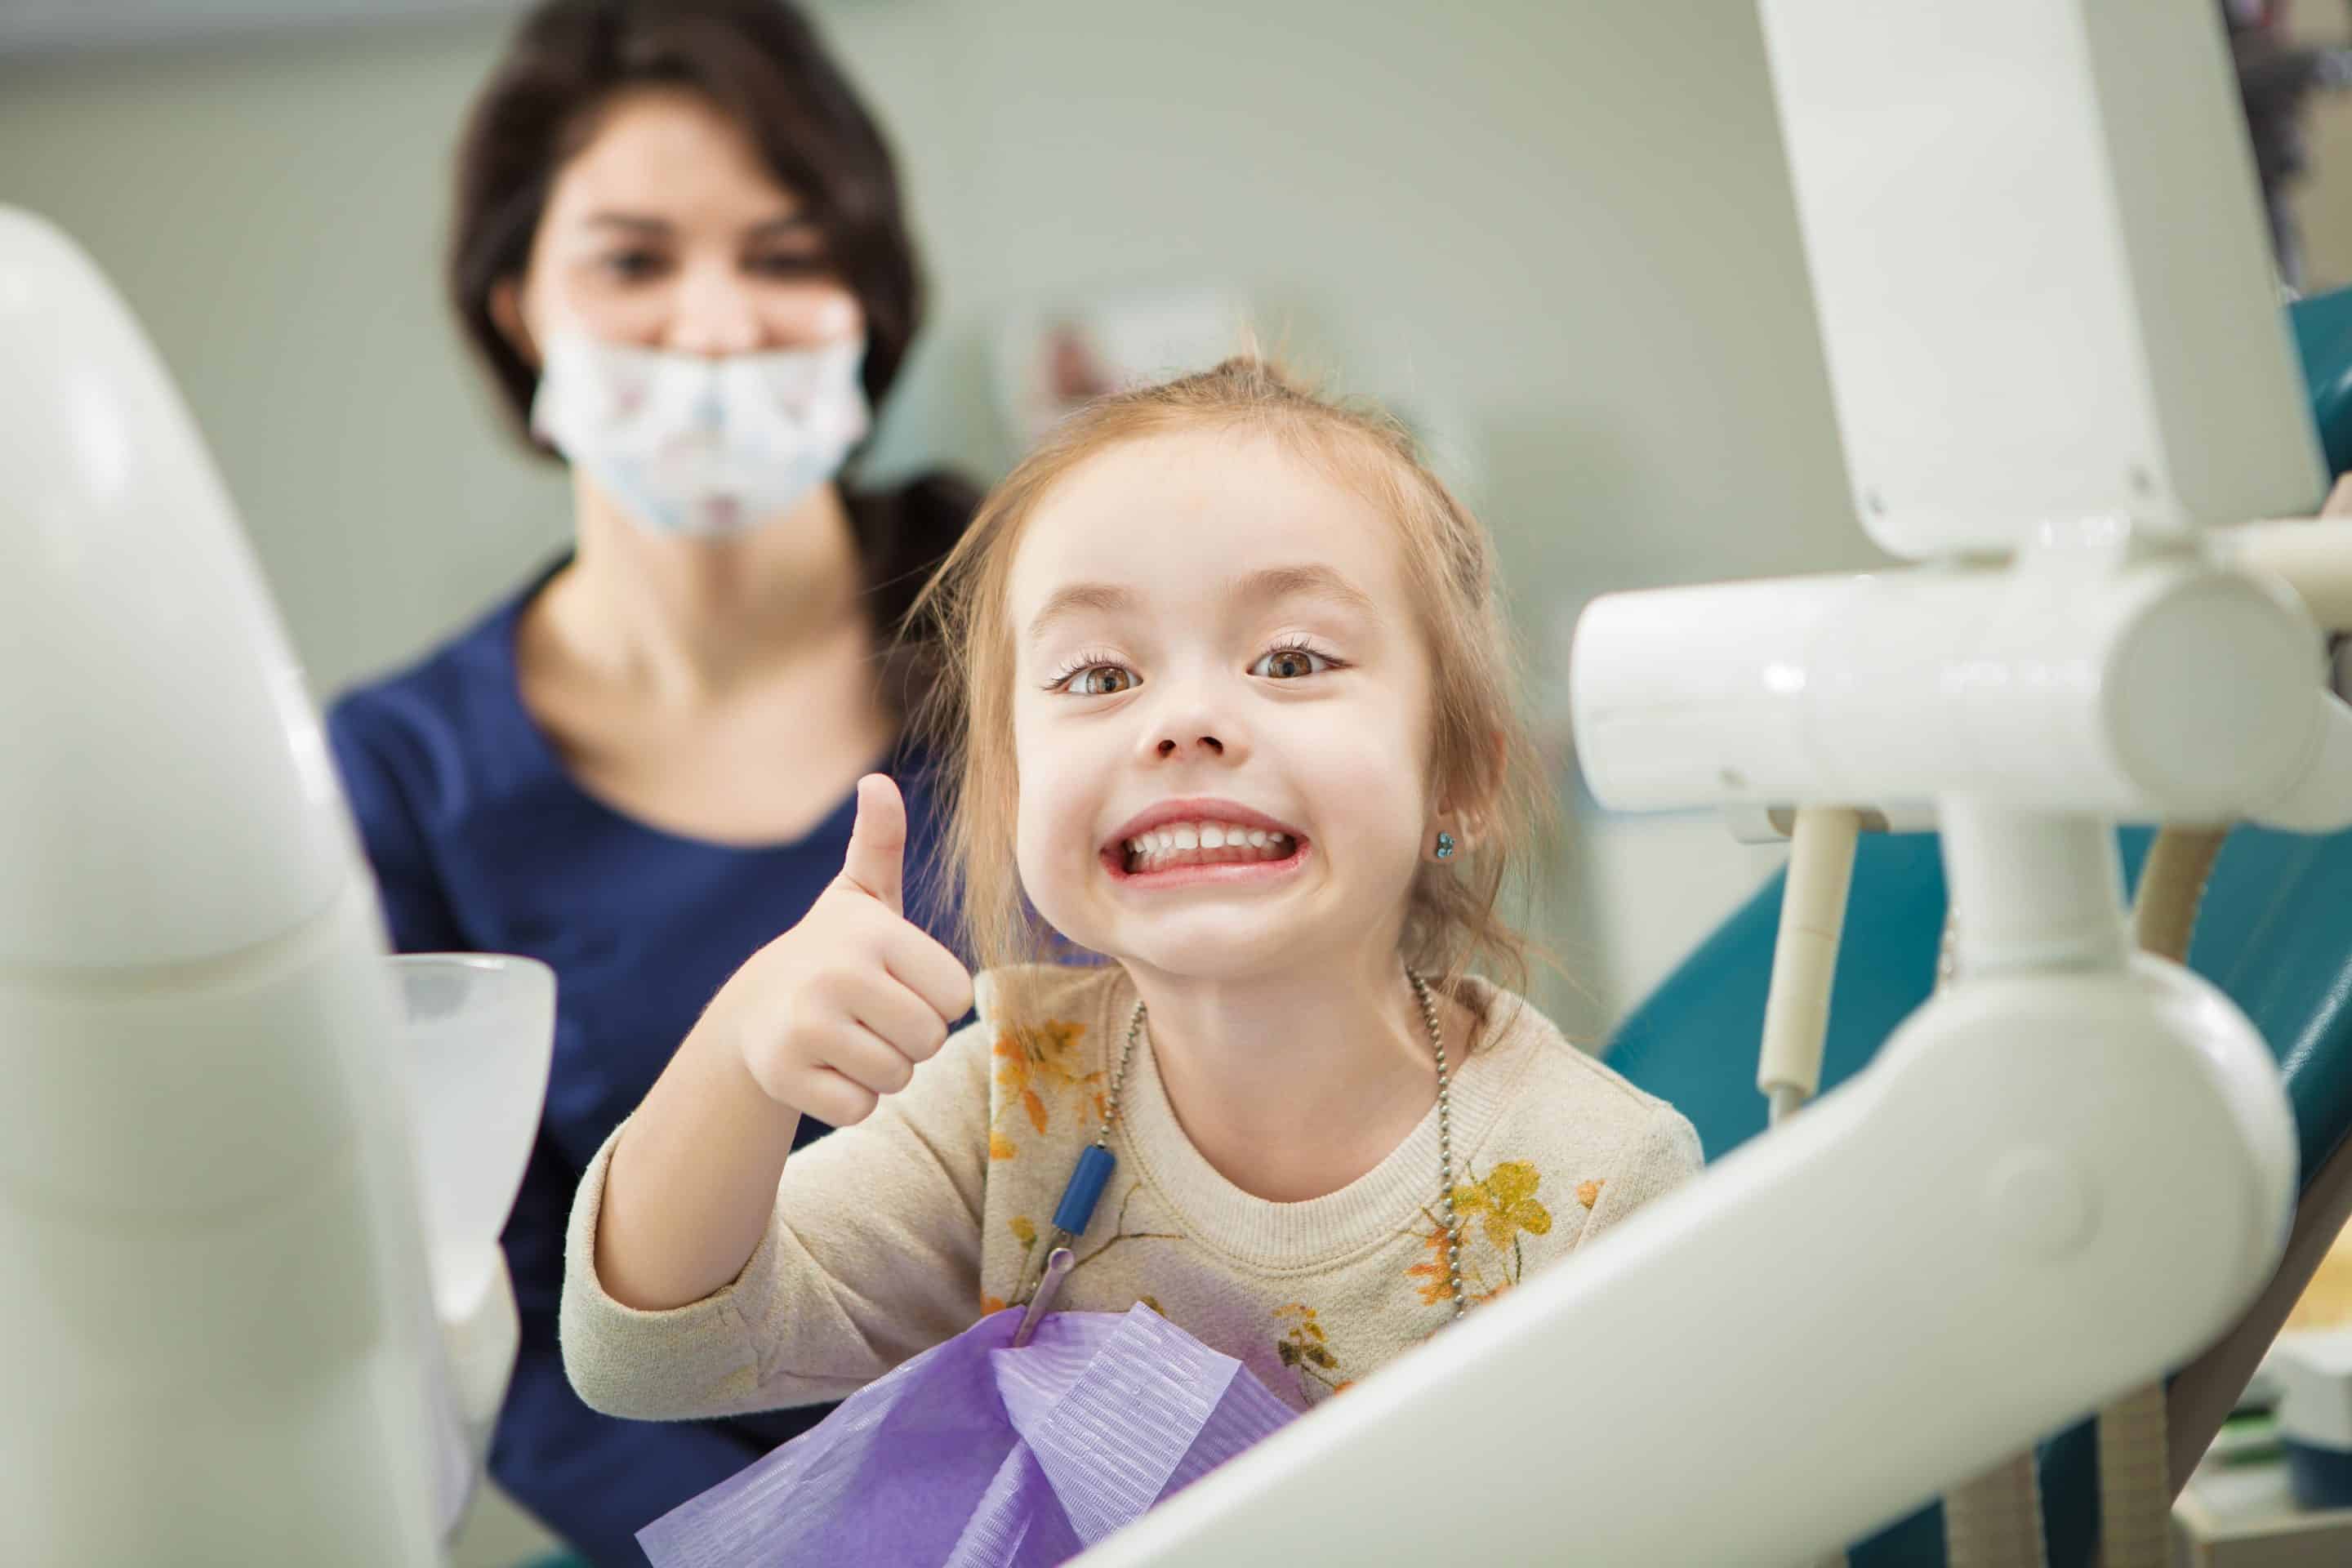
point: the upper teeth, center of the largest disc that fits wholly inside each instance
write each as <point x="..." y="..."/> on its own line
<point x="1171" y="836"/>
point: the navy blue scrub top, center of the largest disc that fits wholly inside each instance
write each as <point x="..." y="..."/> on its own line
<point x="481" y="841"/>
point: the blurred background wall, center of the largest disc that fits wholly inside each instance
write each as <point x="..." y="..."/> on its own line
<point x="1557" y="233"/>
<point x="2321" y="199"/>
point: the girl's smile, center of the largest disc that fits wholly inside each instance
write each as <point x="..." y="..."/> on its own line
<point x="1185" y="843"/>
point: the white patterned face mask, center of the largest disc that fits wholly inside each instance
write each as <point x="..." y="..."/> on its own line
<point x="697" y="447"/>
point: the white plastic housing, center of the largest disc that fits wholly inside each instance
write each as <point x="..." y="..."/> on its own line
<point x="2041" y="267"/>
<point x="216" y="1333"/>
<point x="2168" y="689"/>
<point x="2046" y="1188"/>
<point x="147" y="682"/>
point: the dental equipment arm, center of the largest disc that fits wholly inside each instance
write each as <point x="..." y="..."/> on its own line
<point x="1812" y="916"/>
<point x="218" y="1330"/>
<point x="2314" y="558"/>
<point x="2055" y="344"/>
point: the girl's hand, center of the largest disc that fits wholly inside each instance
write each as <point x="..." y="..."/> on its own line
<point x="836" y="1013"/>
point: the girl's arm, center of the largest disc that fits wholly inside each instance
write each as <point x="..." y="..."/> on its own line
<point x="691" y="1177"/>
<point x="827" y="1020"/>
<point x="704" y="1276"/>
<point x="867" y="1253"/>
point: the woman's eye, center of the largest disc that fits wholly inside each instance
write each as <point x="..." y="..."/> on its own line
<point x="1103" y="680"/>
<point x="1290" y="663"/>
<point x="632" y="264"/>
<point x="795" y="264"/>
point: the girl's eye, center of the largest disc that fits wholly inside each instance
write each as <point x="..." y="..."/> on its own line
<point x="1102" y="680"/>
<point x="1290" y="664"/>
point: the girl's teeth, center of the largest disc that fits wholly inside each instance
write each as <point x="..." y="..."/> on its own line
<point x="1205" y="838"/>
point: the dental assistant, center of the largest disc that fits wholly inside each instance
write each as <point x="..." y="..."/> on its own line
<point x="679" y="248"/>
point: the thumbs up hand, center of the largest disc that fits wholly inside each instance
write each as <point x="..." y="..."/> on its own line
<point x="876" y="862"/>
<point x="835" y="1014"/>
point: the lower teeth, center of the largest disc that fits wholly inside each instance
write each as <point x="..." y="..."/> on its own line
<point x="1228" y="856"/>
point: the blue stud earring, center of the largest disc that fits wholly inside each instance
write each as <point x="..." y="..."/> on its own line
<point x="1445" y="847"/>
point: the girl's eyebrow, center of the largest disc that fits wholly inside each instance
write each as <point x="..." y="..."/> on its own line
<point x="1266" y="586"/>
<point x="1077" y="598"/>
<point x="1314" y="582"/>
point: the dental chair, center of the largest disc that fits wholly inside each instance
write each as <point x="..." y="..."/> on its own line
<point x="2274" y="932"/>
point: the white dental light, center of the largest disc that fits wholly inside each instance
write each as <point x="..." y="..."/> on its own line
<point x="217" y="1310"/>
<point x="2057" y="352"/>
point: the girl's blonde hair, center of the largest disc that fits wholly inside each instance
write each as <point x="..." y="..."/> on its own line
<point x="1482" y="756"/>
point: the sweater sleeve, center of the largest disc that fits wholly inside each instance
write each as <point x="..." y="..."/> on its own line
<point x="1661" y="1153"/>
<point x="871" y="1256"/>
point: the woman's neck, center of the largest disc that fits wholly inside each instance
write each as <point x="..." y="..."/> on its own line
<point x="1294" y="1083"/>
<point x="693" y="620"/>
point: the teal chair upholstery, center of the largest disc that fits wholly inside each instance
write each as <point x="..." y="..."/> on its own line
<point x="2323" y="336"/>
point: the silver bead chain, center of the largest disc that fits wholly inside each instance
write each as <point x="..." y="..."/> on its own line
<point x="1118" y="1074"/>
<point x="1445" y="1142"/>
<point x="1445" y="1123"/>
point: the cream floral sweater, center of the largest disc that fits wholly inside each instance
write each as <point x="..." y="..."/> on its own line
<point x="893" y="1235"/>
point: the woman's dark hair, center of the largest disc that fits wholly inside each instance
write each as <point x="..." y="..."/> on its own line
<point x="759" y="62"/>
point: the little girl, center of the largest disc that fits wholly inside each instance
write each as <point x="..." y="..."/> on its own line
<point x="1233" y="711"/>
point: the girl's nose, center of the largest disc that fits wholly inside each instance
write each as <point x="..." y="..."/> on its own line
<point x="1193" y="724"/>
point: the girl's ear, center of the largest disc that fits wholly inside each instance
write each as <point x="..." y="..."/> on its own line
<point x="1462" y="804"/>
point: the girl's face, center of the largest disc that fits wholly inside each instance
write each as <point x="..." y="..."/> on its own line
<point x="1221" y="714"/>
<point x="666" y="230"/>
